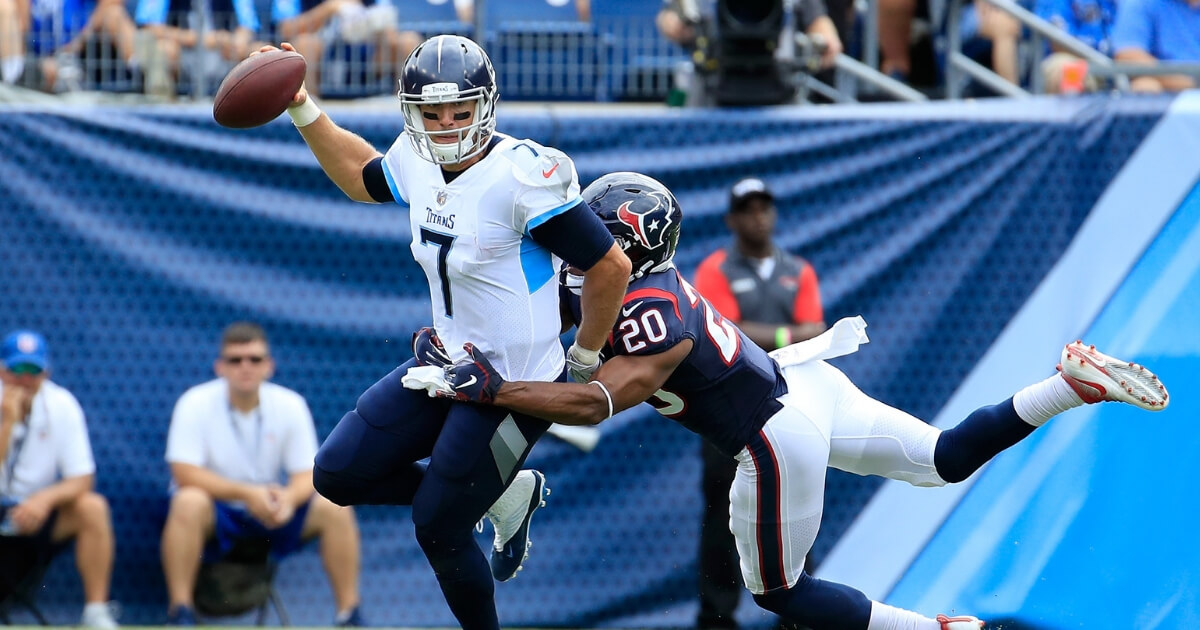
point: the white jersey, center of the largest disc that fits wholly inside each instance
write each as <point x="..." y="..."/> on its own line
<point x="51" y="445"/>
<point x="489" y="282"/>
<point x="263" y="446"/>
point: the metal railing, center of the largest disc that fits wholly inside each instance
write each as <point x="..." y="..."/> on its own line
<point x="612" y="57"/>
<point x="960" y="67"/>
<point x="609" y="58"/>
<point x="849" y="73"/>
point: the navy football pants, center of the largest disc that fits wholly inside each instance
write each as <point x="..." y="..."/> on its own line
<point x="373" y="457"/>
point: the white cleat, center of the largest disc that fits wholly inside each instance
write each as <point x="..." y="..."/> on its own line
<point x="1097" y="377"/>
<point x="510" y="516"/>
<point x="960" y="623"/>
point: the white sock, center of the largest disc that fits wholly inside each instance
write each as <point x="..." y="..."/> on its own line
<point x="1041" y="401"/>
<point x="884" y="617"/>
<point x="96" y="609"/>
<point x="11" y="68"/>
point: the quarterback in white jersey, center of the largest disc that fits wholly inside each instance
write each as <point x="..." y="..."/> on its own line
<point x="471" y="236"/>
<point x="491" y="218"/>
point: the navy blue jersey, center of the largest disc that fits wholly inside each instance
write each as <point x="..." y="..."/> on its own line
<point x="726" y="388"/>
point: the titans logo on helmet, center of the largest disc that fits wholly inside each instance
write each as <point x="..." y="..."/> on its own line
<point x="649" y="216"/>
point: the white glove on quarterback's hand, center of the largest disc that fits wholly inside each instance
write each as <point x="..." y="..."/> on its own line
<point x="582" y="363"/>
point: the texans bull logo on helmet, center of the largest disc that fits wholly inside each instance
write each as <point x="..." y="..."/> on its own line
<point x="649" y="216"/>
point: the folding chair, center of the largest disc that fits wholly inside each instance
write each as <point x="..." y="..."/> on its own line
<point x="22" y="591"/>
<point x="241" y="582"/>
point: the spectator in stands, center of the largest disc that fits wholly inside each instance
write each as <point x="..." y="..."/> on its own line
<point x="999" y="30"/>
<point x="1089" y="21"/>
<point x="1149" y="31"/>
<point x="895" y="24"/>
<point x="14" y="26"/>
<point x="72" y="39"/>
<point x="465" y="10"/>
<point x="315" y="26"/>
<point x="1004" y="32"/>
<point x="47" y="478"/>
<point x="774" y="298"/>
<point x="230" y="29"/>
<point x="231" y="441"/>
<point x="674" y="24"/>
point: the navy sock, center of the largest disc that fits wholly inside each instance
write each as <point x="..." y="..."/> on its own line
<point x="463" y="574"/>
<point x="819" y="604"/>
<point x="977" y="439"/>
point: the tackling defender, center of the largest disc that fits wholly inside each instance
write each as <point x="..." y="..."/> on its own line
<point x="784" y="417"/>
<point x="490" y="215"/>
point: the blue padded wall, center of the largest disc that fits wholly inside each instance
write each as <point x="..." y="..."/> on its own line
<point x="132" y="236"/>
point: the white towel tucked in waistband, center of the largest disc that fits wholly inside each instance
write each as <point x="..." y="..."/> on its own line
<point x="431" y="378"/>
<point x="844" y="337"/>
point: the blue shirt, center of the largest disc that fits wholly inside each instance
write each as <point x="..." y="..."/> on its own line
<point x="1167" y="29"/>
<point x="287" y="9"/>
<point x="53" y="23"/>
<point x="1089" y="21"/>
<point x="178" y="13"/>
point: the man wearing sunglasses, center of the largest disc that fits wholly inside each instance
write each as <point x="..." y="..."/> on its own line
<point x="241" y="454"/>
<point x="47" y="473"/>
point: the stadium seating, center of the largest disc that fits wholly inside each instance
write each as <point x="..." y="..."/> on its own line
<point x="542" y="50"/>
<point x="431" y="17"/>
<point x="637" y="61"/>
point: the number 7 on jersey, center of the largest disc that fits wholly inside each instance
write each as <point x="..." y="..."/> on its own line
<point x="443" y="242"/>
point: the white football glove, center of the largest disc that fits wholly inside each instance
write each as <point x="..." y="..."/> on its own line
<point x="582" y="363"/>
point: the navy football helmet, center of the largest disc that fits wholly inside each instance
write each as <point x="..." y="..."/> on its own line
<point x="642" y="215"/>
<point x="448" y="69"/>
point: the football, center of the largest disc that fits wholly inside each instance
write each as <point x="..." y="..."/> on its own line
<point x="258" y="89"/>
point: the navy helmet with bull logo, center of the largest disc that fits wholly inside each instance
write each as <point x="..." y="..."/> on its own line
<point x="642" y="215"/>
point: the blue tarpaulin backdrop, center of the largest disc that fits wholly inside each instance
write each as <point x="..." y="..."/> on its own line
<point x="132" y="236"/>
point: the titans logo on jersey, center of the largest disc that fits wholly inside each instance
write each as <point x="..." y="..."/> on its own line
<point x="725" y="389"/>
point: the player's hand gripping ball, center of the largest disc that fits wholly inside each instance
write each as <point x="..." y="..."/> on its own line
<point x="259" y="89"/>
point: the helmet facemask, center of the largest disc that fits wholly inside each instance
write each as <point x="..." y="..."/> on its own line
<point x="469" y="141"/>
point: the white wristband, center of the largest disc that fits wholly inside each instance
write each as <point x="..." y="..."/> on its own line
<point x="583" y="355"/>
<point x="606" y="395"/>
<point x="305" y="114"/>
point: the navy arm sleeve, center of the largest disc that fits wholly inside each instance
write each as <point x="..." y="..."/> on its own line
<point x="576" y="236"/>
<point x="375" y="181"/>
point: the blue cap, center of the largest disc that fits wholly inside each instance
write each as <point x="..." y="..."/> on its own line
<point x="25" y="346"/>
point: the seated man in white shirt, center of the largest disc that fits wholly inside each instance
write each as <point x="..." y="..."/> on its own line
<point x="232" y="441"/>
<point x="46" y="478"/>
